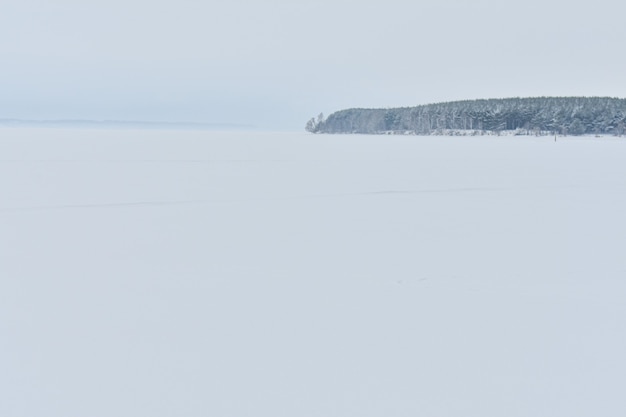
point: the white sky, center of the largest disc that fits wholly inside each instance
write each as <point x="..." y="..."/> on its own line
<point x="275" y="63"/>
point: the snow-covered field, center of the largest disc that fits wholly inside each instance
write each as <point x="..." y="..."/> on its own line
<point x="162" y="273"/>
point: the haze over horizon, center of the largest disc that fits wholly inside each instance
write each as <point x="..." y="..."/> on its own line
<point x="274" y="64"/>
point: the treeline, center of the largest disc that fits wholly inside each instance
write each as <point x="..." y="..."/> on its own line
<point x="530" y="116"/>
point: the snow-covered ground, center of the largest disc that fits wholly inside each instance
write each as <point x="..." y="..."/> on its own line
<point x="161" y="273"/>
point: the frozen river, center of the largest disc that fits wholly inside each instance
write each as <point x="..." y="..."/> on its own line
<point x="182" y="273"/>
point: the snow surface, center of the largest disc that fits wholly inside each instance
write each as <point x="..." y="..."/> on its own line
<point x="160" y="273"/>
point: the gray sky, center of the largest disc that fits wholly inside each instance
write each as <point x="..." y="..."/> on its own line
<point x="276" y="63"/>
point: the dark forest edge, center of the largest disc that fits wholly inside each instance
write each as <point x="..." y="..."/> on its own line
<point x="518" y="116"/>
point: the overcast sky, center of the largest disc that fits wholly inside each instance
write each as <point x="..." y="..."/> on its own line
<point x="276" y="63"/>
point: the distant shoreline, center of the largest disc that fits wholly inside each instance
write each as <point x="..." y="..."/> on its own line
<point x="122" y="124"/>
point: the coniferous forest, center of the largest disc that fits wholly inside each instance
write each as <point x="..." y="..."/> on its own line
<point x="520" y="116"/>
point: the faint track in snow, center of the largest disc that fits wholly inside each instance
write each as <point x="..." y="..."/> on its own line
<point x="157" y="203"/>
<point x="431" y="190"/>
<point x="104" y="205"/>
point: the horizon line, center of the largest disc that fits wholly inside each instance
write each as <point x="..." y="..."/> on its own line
<point x="127" y="123"/>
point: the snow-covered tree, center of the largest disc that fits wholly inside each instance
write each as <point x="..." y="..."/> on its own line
<point x="314" y="125"/>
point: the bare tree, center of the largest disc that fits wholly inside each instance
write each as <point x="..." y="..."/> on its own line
<point x="314" y="125"/>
